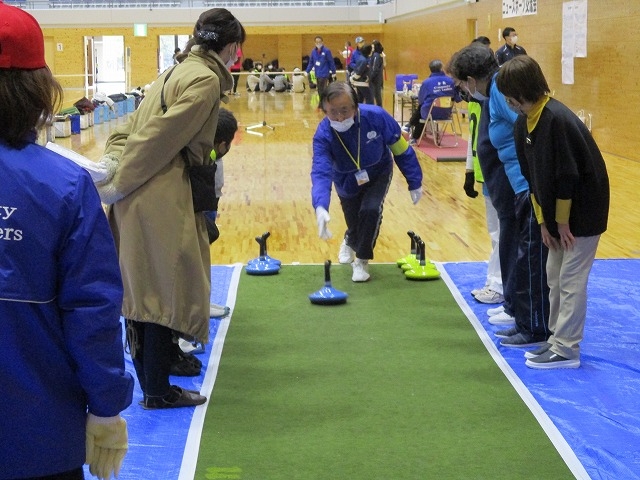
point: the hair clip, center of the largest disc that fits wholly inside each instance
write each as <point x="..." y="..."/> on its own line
<point x="207" y="35"/>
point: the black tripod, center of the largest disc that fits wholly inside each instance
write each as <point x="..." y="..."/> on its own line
<point x="264" y="124"/>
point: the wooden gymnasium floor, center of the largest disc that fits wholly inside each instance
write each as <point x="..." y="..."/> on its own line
<point x="267" y="188"/>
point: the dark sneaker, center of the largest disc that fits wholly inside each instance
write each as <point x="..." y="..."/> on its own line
<point x="549" y="360"/>
<point x="537" y="351"/>
<point x="521" y="340"/>
<point x="506" y="333"/>
<point x="185" y="365"/>
<point x="176" y="398"/>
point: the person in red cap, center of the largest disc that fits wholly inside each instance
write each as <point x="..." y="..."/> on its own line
<point x="62" y="364"/>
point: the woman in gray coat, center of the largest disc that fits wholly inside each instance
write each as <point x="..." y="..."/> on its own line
<point x="162" y="244"/>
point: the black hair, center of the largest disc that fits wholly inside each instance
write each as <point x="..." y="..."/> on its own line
<point x="435" y="66"/>
<point x="217" y="28"/>
<point x="377" y="46"/>
<point x="522" y="79"/>
<point x="507" y="31"/>
<point x="28" y="98"/>
<point x="227" y="127"/>
<point x="482" y="40"/>
<point x="476" y="61"/>
<point x="366" y="49"/>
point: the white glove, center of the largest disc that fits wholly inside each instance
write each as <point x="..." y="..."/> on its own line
<point x="416" y="195"/>
<point x="107" y="444"/>
<point x="323" y="221"/>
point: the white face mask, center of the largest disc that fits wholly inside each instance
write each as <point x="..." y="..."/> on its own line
<point x="514" y="40"/>
<point x="232" y="59"/>
<point x="342" y="126"/>
<point x="478" y="96"/>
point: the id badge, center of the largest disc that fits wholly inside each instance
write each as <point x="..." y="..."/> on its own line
<point x="362" y="177"/>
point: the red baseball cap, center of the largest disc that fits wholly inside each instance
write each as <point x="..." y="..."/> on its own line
<point x="21" y="40"/>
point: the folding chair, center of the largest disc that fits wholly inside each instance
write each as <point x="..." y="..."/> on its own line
<point x="442" y="107"/>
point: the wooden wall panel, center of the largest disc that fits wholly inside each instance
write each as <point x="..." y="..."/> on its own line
<point x="606" y="81"/>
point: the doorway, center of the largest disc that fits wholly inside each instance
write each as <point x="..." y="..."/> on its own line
<point x="167" y="45"/>
<point x="105" y="66"/>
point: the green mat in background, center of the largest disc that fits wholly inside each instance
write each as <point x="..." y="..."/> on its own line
<point x="393" y="385"/>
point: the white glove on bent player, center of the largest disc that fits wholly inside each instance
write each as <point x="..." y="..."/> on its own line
<point x="323" y="218"/>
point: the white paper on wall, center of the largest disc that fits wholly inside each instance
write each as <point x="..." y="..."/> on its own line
<point x="518" y="8"/>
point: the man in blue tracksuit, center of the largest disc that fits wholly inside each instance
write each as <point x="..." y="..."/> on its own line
<point x="354" y="148"/>
<point x="321" y="61"/>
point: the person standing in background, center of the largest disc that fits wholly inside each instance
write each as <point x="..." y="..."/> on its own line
<point x="376" y="77"/>
<point x="235" y="71"/>
<point x="62" y="366"/>
<point x="357" y="52"/>
<point x="510" y="49"/>
<point x="321" y="61"/>
<point x="347" y="53"/>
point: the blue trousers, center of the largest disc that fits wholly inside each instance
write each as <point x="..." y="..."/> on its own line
<point x="531" y="298"/>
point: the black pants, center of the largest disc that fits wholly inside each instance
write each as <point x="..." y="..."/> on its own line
<point x="414" y="122"/>
<point x="152" y="354"/>
<point x="322" y="84"/>
<point x="531" y="300"/>
<point x="77" y="474"/>
<point x="365" y="95"/>
<point x="363" y="215"/>
<point x="236" y="77"/>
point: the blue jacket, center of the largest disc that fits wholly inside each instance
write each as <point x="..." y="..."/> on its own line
<point x="60" y="303"/>
<point x="379" y="132"/>
<point x="322" y="61"/>
<point x="502" y="121"/>
<point x="438" y="84"/>
<point x="354" y="58"/>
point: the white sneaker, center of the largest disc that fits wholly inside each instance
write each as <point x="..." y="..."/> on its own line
<point x="218" y="310"/>
<point x="501" y="319"/>
<point x="346" y="253"/>
<point x="360" y="270"/>
<point x="489" y="296"/>
<point x="476" y="291"/>
<point x="495" y="311"/>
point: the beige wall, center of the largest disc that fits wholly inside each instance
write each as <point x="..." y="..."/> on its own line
<point x="606" y="82"/>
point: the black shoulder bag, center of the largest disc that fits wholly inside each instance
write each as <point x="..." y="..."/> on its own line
<point x="202" y="177"/>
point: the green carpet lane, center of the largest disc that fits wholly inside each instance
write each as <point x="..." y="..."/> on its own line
<point x="393" y="385"/>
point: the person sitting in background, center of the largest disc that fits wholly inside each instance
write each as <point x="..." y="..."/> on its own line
<point x="281" y="82"/>
<point x="266" y="79"/>
<point x="299" y="81"/>
<point x="62" y="364"/>
<point x="253" y="79"/>
<point x="438" y="84"/>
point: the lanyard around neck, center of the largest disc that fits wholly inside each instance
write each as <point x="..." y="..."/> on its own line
<point x="356" y="161"/>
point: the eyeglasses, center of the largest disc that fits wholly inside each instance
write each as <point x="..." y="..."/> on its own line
<point x="511" y="103"/>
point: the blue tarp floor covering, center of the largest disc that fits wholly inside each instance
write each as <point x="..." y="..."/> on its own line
<point x="592" y="414"/>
